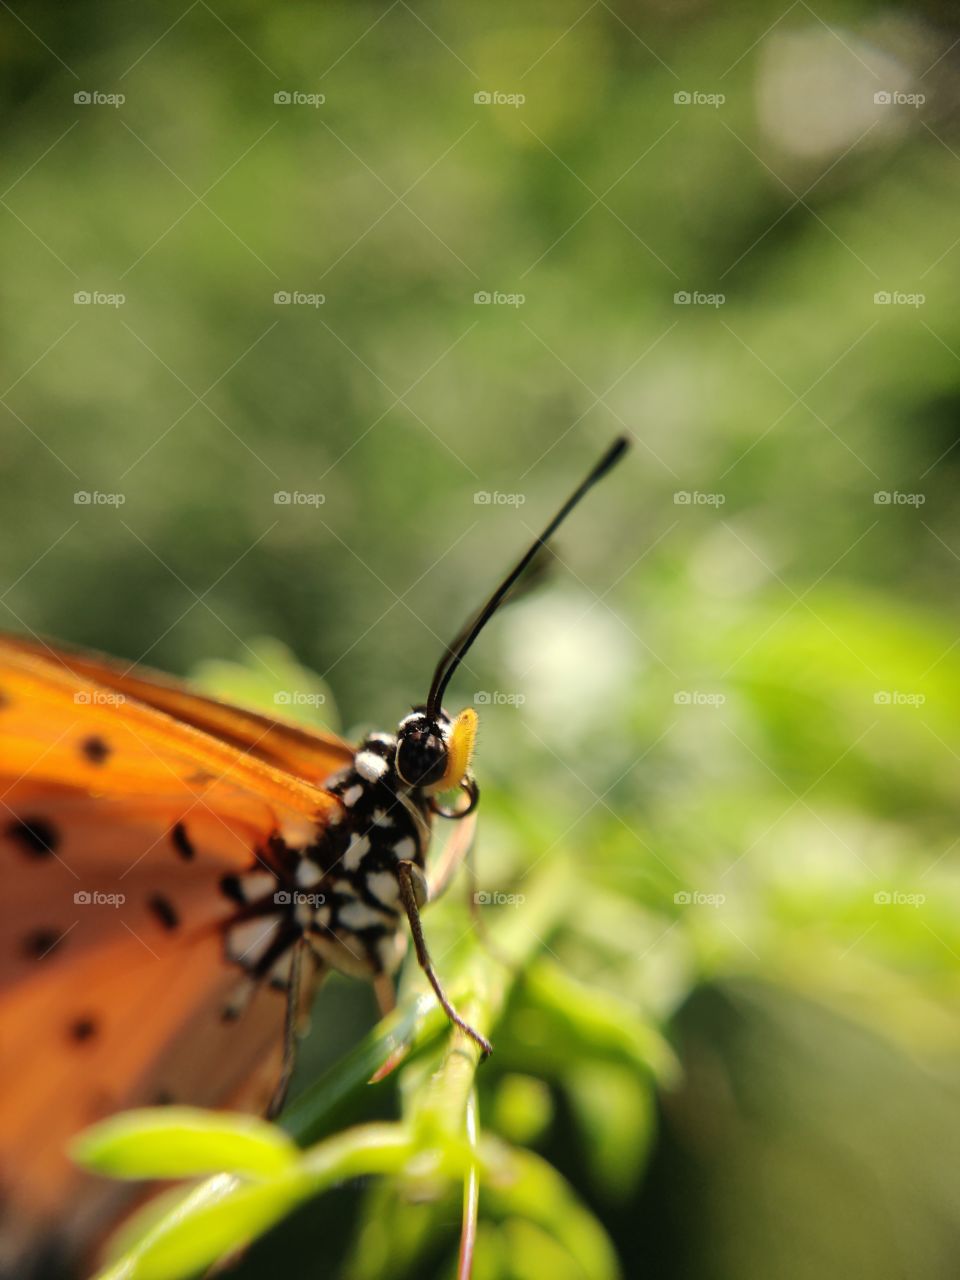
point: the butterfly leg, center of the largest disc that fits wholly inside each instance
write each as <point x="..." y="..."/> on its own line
<point x="413" y="893"/>
<point x="290" y="1025"/>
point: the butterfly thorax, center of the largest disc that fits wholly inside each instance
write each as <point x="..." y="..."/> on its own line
<point x="341" y="891"/>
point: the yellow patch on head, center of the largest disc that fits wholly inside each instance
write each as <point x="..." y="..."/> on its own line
<point x="463" y="737"/>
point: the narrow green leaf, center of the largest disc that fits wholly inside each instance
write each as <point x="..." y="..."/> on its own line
<point x="222" y="1215"/>
<point x="417" y="1023"/>
<point x="183" y="1142"/>
<point x="191" y="1241"/>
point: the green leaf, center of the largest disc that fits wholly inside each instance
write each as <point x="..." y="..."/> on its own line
<point x="523" y="1185"/>
<point x="196" y="1236"/>
<point x="224" y="1215"/>
<point x="183" y="1142"/>
<point x="416" y="1024"/>
<point x="553" y="1018"/>
<point x="615" y="1108"/>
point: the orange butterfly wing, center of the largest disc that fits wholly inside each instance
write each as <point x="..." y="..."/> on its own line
<point x="123" y="804"/>
<point x="305" y="754"/>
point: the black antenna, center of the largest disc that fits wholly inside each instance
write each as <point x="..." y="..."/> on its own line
<point x="457" y="650"/>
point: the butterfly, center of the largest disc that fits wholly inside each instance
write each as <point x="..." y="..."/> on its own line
<point x="178" y="876"/>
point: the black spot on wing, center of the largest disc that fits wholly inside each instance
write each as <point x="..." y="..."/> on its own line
<point x="40" y="942"/>
<point x="36" y="837"/>
<point x="181" y="842"/>
<point x="164" y="911"/>
<point x="95" y="749"/>
<point x="231" y="888"/>
<point x="83" y="1029"/>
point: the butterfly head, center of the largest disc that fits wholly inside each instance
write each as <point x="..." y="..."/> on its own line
<point x="434" y="752"/>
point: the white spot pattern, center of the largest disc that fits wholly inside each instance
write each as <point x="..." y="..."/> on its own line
<point x="383" y="885"/>
<point x="370" y="766"/>
<point x="357" y="848"/>
<point x="358" y="915"/>
<point x="257" y="884"/>
<point x="308" y="873"/>
<point x="248" y="940"/>
<point x="405" y="848"/>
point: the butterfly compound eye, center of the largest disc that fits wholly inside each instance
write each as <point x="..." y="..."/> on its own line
<point x="421" y="751"/>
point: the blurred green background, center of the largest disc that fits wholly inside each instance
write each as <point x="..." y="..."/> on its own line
<point x="729" y="230"/>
